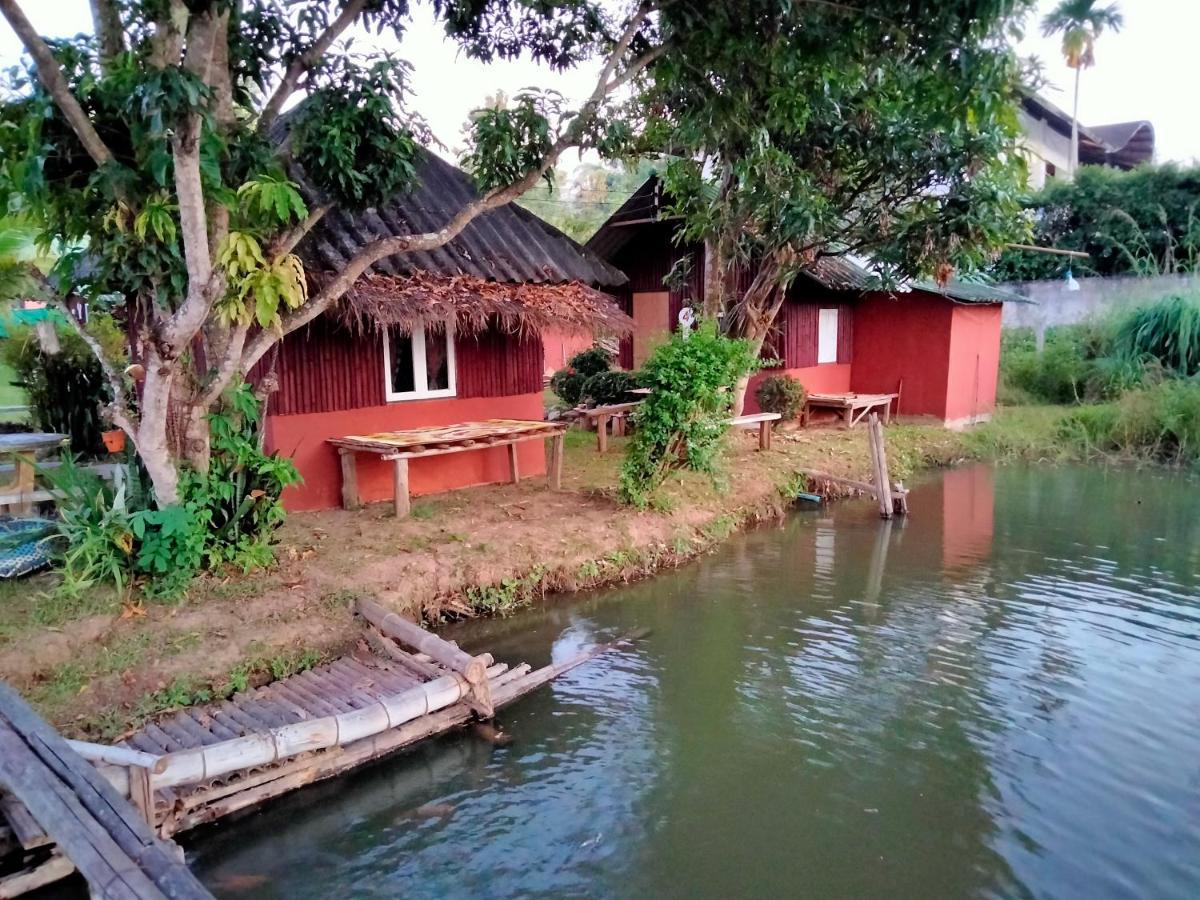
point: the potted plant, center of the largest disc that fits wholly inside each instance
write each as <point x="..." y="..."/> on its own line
<point x="114" y="440"/>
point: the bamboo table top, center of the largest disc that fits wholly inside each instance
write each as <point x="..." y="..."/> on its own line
<point x="849" y="399"/>
<point x="464" y="434"/>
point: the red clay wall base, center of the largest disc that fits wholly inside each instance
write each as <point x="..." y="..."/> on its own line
<point x="831" y="378"/>
<point x="303" y="438"/>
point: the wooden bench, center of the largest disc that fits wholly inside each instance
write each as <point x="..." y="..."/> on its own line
<point x="764" y="421"/>
<point x="601" y="415"/>
<point x="852" y="408"/>
<point x="20" y="493"/>
<point x="398" y="447"/>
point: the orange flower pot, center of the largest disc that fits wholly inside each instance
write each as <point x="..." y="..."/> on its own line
<point x="114" y="441"/>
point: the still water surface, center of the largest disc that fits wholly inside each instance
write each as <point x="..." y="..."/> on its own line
<point x="997" y="698"/>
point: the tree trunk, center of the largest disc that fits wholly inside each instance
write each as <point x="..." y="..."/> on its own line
<point x="1075" y="127"/>
<point x="739" y="389"/>
<point x="153" y="447"/>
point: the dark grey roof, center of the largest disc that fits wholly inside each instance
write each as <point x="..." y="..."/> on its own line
<point x="1122" y="144"/>
<point x="507" y="244"/>
<point x="642" y="207"/>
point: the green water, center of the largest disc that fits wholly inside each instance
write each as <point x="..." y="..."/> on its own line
<point x="997" y="698"/>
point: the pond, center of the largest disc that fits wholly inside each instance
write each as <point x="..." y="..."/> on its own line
<point x="998" y="697"/>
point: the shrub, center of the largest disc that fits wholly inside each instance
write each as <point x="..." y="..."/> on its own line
<point x="227" y="515"/>
<point x="1160" y="423"/>
<point x="609" y="387"/>
<point x="66" y="390"/>
<point x="591" y="361"/>
<point x="780" y="394"/>
<point x="1167" y="332"/>
<point x="570" y="384"/>
<point x="681" y="423"/>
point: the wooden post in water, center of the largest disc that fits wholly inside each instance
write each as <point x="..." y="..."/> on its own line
<point x="883" y="484"/>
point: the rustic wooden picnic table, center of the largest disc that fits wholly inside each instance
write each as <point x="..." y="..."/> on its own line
<point x="764" y="422"/>
<point x="398" y="447"/>
<point x="850" y="406"/>
<point x="24" y="448"/>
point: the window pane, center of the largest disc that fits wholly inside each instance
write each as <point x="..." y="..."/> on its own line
<point x="437" y="360"/>
<point x="827" y="336"/>
<point x="401" y="353"/>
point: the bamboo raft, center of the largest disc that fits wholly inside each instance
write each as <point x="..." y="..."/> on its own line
<point x="404" y="685"/>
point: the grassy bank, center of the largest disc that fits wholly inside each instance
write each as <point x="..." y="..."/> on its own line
<point x="98" y="664"/>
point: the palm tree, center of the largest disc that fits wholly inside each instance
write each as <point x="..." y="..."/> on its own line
<point x="1080" y="22"/>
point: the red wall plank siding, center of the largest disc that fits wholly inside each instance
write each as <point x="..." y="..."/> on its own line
<point x="325" y="367"/>
<point x="845" y="333"/>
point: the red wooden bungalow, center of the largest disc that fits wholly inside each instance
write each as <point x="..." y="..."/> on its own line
<point x="430" y="339"/>
<point x="939" y="347"/>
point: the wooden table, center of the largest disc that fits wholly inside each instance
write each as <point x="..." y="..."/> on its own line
<point x="24" y="447"/>
<point x="399" y="447"/>
<point x="851" y="407"/>
<point x="601" y="416"/>
<point x="763" y="421"/>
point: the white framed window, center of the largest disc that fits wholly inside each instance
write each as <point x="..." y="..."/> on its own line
<point x="418" y="365"/>
<point x="827" y="336"/>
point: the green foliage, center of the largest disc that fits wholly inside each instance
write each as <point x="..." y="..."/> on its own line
<point x="1140" y="222"/>
<point x="780" y="394"/>
<point x="351" y="133"/>
<point x="509" y="141"/>
<point x="1160" y="423"/>
<point x="613" y="386"/>
<point x="227" y="515"/>
<point x="682" y="421"/>
<point x="825" y="145"/>
<point x="570" y="384"/>
<point x="1167" y="332"/>
<point x="96" y="529"/>
<point x="591" y="361"/>
<point x="66" y="390"/>
<point x="580" y="200"/>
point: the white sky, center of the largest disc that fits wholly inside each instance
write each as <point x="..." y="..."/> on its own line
<point x="1143" y="72"/>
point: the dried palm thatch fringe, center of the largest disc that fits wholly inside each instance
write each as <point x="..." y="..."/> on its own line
<point x="473" y="304"/>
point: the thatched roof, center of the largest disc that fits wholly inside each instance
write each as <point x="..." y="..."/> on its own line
<point x="472" y="304"/>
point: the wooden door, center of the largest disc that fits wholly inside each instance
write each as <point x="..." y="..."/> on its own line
<point x="652" y="321"/>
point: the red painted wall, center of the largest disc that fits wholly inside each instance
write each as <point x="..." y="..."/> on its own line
<point x="904" y="336"/>
<point x="974" y="363"/>
<point x="832" y="378"/>
<point x="303" y="438"/>
<point x="559" y="346"/>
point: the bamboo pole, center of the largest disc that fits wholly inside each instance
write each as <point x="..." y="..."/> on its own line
<point x="116" y="756"/>
<point x="472" y="668"/>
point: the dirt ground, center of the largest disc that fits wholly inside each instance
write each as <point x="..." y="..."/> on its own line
<point x="98" y="665"/>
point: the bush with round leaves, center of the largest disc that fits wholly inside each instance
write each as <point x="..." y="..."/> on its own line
<point x="613" y="386"/>
<point x="780" y="394"/>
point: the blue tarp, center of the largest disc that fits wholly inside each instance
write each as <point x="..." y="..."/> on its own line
<point x="25" y="545"/>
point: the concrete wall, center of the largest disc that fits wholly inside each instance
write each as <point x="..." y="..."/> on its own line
<point x="1055" y="305"/>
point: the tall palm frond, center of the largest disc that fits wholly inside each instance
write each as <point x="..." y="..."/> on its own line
<point x="1080" y="22"/>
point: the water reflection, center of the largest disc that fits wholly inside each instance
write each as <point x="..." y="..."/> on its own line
<point x="995" y="697"/>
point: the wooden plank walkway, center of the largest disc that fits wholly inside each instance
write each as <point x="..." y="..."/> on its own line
<point x="62" y="815"/>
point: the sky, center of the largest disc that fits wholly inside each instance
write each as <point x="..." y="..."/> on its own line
<point x="1142" y="72"/>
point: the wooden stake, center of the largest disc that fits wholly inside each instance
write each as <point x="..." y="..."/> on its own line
<point x="556" y="462"/>
<point x="514" y="464"/>
<point x="401" y="501"/>
<point x="349" y="479"/>
<point x="883" y="485"/>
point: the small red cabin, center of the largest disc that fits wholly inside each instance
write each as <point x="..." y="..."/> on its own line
<point x="428" y="339"/>
<point x="938" y="347"/>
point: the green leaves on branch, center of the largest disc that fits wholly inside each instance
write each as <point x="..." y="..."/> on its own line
<point x="257" y="288"/>
<point x="273" y="200"/>
<point x="353" y="136"/>
<point x="680" y="425"/>
<point x="509" y="141"/>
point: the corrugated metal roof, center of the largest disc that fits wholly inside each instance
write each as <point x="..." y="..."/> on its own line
<point x="507" y="244"/>
<point x="843" y="273"/>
